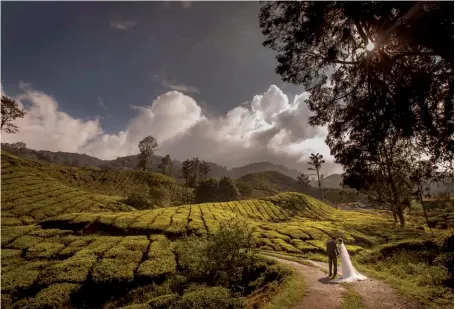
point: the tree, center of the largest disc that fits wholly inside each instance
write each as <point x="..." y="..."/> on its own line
<point x="196" y="168"/>
<point x="227" y="190"/>
<point x="10" y="112"/>
<point x="384" y="177"/>
<point x="374" y="70"/>
<point x="316" y="162"/>
<point x="146" y="148"/>
<point x="187" y="170"/>
<point x="204" y="169"/>
<point x="18" y="145"/>
<point x="421" y="172"/>
<point x="304" y="181"/>
<point x="207" y="191"/>
<point x="166" y="165"/>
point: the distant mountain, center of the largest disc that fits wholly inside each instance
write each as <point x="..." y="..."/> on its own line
<point x="130" y="162"/>
<point x="332" y="181"/>
<point x="267" y="183"/>
<point x="238" y="172"/>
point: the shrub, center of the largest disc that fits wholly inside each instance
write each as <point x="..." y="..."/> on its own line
<point x="163" y="301"/>
<point x="159" y="196"/>
<point x="206" y="191"/>
<point x="138" y="201"/>
<point x="208" y="298"/>
<point x="227" y="190"/>
<point x="225" y="259"/>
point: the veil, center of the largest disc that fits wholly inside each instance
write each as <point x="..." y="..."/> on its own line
<point x="350" y="274"/>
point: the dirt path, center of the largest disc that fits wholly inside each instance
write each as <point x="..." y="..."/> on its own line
<point x="318" y="295"/>
<point x="323" y="295"/>
<point x="376" y="294"/>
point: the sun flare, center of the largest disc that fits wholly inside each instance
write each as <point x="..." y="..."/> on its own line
<point x="370" y="46"/>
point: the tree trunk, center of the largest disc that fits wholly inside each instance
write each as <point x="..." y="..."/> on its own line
<point x="401" y="217"/>
<point x="425" y="214"/>
<point x="395" y="216"/>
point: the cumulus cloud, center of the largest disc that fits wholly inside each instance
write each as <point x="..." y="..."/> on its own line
<point x="174" y="86"/>
<point x="45" y="127"/>
<point x="123" y="25"/>
<point x="269" y="128"/>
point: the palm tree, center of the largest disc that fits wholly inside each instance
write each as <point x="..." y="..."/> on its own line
<point x="316" y="161"/>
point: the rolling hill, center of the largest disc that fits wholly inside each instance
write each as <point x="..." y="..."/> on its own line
<point x="65" y="233"/>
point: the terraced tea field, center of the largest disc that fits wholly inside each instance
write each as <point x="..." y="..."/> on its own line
<point x="33" y="191"/>
<point x="62" y="239"/>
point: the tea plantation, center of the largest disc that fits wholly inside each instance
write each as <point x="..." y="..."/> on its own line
<point x="69" y="242"/>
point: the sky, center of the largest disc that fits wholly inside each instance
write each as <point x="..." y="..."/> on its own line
<point x="97" y="77"/>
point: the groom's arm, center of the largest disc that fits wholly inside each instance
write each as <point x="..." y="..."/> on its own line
<point x="336" y="250"/>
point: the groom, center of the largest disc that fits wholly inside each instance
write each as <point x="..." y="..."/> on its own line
<point x="332" y="252"/>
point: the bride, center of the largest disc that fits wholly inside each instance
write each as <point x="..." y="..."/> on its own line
<point x="350" y="274"/>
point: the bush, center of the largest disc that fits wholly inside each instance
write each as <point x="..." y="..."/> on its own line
<point x="227" y="190"/>
<point x="208" y="298"/>
<point x="163" y="301"/>
<point x="159" y="196"/>
<point x="138" y="201"/>
<point x="206" y="191"/>
<point x="212" y="190"/>
<point x="225" y="259"/>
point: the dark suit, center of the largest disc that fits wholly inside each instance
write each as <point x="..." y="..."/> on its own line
<point x="332" y="252"/>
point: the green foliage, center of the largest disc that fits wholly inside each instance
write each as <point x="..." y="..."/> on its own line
<point x="55" y="296"/>
<point x="207" y="191"/>
<point x="341" y="35"/>
<point x="163" y="302"/>
<point x="159" y="196"/>
<point x="139" y="201"/>
<point x="421" y="268"/>
<point x="222" y="259"/>
<point x="10" y="112"/>
<point x="146" y="147"/>
<point x="165" y="166"/>
<point x="212" y="190"/>
<point x="75" y="246"/>
<point x="208" y="298"/>
<point x="227" y="190"/>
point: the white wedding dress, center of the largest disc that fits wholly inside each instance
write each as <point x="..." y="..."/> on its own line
<point x="350" y="274"/>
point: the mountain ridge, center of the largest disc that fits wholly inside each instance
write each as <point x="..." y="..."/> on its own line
<point x="130" y="162"/>
<point x="332" y="181"/>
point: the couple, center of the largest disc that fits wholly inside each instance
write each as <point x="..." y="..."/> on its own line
<point x="336" y="247"/>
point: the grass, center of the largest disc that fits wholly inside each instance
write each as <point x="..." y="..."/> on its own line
<point x="415" y="268"/>
<point x="287" y="295"/>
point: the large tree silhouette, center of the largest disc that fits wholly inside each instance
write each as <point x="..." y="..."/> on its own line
<point x="146" y="148"/>
<point x="374" y="70"/>
<point x="10" y="112"/>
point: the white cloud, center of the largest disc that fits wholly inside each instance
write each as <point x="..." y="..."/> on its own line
<point x="45" y="127"/>
<point x="123" y="24"/>
<point x="269" y="128"/>
<point x="174" y="86"/>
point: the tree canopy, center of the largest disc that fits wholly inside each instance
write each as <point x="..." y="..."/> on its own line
<point x="146" y="148"/>
<point x="10" y="112"/>
<point x="374" y="70"/>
